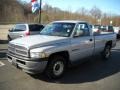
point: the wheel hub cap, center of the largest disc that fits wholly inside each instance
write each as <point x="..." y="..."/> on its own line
<point x="58" y="68"/>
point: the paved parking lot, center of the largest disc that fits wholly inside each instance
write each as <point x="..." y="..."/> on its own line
<point x="92" y="75"/>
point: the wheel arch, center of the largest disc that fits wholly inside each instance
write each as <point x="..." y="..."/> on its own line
<point x="109" y="43"/>
<point x="64" y="54"/>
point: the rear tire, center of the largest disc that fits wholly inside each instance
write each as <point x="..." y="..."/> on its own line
<point x="107" y="52"/>
<point x="56" y="67"/>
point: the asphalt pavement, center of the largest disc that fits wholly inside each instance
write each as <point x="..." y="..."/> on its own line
<point x="94" y="74"/>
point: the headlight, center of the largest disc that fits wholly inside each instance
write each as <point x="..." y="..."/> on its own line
<point x="37" y="54"/>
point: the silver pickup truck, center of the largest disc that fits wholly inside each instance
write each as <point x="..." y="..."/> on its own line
<point x="60" y="44"/>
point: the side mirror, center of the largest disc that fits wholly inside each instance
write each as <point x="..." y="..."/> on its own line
<point x="78" y="33"/>
<point x="75" y="34"/>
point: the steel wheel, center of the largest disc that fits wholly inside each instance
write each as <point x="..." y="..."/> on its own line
<point x="56" y="67"/>
<point x="107" y="52"/>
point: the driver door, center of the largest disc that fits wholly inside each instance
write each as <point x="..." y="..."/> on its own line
<point x="82" y="42"/>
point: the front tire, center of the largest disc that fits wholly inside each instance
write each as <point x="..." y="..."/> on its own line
<point x="56" y="67"/>
<point x="107" y="52"/>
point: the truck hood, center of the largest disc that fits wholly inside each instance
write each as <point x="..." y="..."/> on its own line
<point x="39" y="40"/>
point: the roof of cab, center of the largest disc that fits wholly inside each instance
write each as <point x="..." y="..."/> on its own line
<point x="69" y="21"/>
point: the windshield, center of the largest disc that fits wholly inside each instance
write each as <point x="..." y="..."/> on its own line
<point x="58" y="29"/>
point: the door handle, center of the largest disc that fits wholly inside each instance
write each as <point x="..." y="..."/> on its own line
<point x="91" y="39"/>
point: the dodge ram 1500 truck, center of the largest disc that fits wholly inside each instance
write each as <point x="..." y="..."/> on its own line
<point x="60" y="44"/>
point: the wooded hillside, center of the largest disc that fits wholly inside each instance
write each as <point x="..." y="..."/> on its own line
<point x="14" y="11"/>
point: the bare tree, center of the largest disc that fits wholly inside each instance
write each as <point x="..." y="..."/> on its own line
<point x="96" y="12"/>
<point x="16" y="11"/>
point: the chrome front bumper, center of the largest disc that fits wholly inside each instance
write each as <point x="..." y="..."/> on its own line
<point x="28" y="65"/>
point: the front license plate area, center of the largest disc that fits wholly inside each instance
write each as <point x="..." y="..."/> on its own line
<point x="14" y="62"/>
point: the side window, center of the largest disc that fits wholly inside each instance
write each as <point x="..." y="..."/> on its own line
<point x="81" y="30"/>
<point x="35" y="27"/>
<point x="110" y="29"/>
<point x="32" y="27"/>
<point x="40" y="27"/>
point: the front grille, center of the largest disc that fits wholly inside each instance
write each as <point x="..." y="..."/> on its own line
<point x="20" y="47"/>
<point x="19" y="50"/>
<point x="11" y="48"/>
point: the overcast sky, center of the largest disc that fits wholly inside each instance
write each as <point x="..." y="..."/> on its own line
<point x="109" y="6"/>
